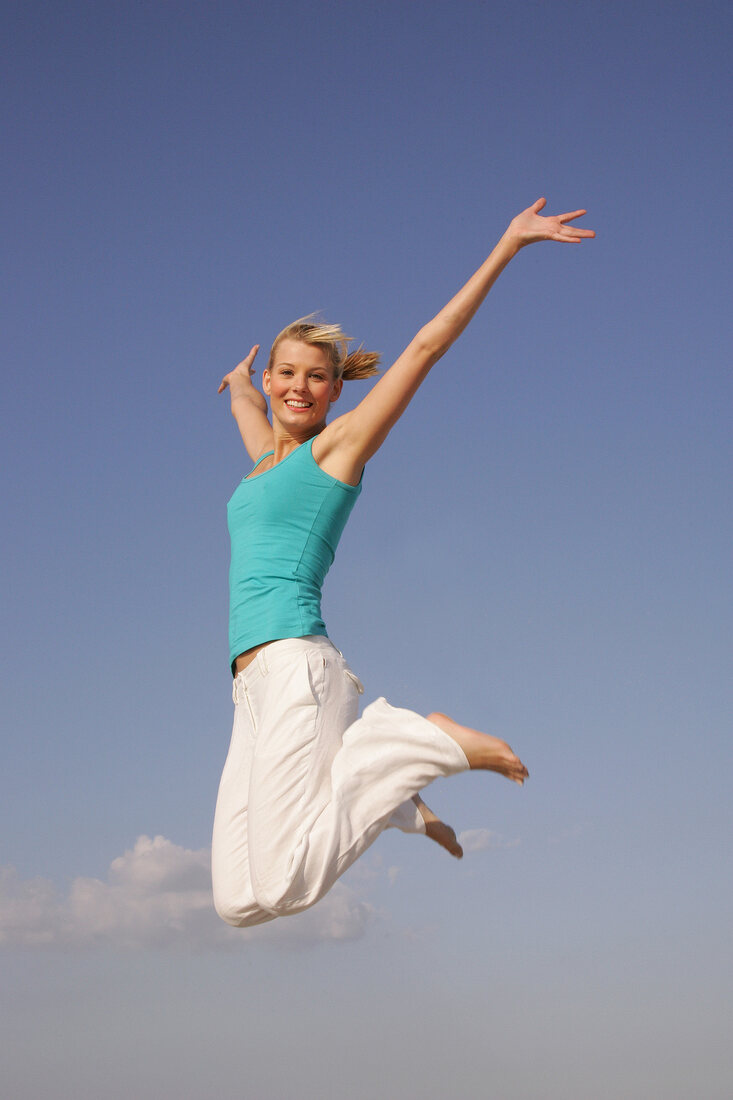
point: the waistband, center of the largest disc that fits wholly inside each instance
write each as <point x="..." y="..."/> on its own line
<point x="276" y="654"/>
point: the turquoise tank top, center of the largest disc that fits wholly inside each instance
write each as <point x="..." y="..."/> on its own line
<point x="285" y="525"/>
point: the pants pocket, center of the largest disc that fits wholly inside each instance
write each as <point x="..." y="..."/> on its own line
<point x="354" y="680"/>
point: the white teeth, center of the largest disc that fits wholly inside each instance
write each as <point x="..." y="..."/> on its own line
<point x="298" y="404"/>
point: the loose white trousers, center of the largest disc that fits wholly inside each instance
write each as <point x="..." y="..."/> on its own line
<point x="307" y="785"/>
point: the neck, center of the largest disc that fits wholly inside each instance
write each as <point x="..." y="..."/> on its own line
<point x="285" y="441"/>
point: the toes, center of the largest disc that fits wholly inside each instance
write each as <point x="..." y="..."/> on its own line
<point x="452" y="846"/>
<point x="445" y="836"/>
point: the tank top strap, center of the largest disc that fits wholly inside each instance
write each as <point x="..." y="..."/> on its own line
<point x="260" y="460"/>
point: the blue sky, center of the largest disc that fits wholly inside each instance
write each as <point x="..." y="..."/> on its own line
<point x="542" y="547"/>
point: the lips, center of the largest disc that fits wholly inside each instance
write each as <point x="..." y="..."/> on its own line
<point x="298" y="404"/>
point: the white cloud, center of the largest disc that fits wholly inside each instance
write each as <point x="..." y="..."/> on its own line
<point x="157" y="895"/>
<point x="478" y="840"/>
<point x="27" y="909"/>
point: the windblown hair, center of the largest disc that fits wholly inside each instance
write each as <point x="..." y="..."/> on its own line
<point x="335" y="343"/>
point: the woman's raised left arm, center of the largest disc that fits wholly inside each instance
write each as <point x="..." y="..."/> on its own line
<point x="358" y="434"/>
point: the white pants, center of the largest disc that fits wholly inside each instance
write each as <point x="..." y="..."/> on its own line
<point x="307" y="786"/>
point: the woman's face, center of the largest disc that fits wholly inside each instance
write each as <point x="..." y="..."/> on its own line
<point x="300" y="385"/>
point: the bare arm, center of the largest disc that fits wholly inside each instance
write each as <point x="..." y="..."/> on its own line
<point x="357" y="435"/>
<point x="249" y="407"/>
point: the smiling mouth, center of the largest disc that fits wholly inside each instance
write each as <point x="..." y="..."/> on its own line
<point x="298" y="404"/>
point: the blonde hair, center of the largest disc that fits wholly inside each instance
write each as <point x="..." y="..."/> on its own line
<point x="334" y="342"/>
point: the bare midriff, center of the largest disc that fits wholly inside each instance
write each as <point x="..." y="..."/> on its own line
<point x="247" y="657"/>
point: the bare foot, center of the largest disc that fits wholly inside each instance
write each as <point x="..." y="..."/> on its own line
<point x="482" y="750"/>
<point x="437" y="830"/>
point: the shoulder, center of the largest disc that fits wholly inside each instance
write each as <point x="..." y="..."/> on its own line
<point x="334" y="451"/>
<point x="332" y="439"/>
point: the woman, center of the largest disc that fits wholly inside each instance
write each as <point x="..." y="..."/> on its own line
<point x="308" y="786"/>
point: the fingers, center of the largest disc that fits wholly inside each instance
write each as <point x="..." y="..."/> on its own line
<point x="245" y="365"/>
<point x="571" y="235"/>
<point x="249" y="360"/>
<point x="539" y="205"/>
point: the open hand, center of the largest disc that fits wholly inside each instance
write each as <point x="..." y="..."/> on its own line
<point x="242" y="372"/>
<point x="530" y="226"/>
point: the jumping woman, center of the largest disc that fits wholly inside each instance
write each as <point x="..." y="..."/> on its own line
<point x="308" y="785"/>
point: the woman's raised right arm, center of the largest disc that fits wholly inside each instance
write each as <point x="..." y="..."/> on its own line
<point x="249" y="407"/>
